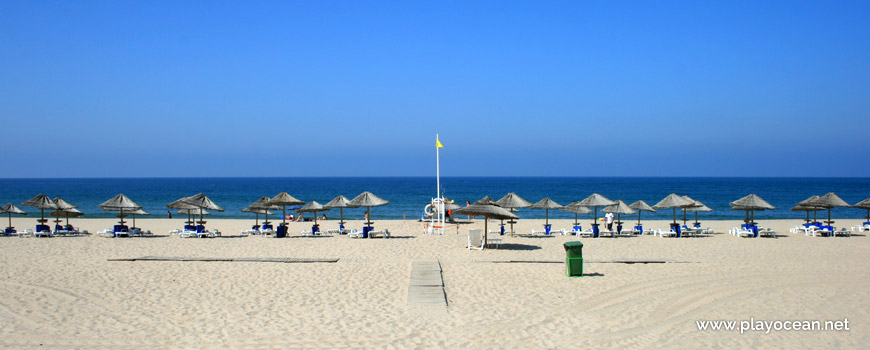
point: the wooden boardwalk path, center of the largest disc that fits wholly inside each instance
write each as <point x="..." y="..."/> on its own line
<point x="426" y="286"/>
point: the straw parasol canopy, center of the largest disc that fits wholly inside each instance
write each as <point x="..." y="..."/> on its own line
<point x="257" y="210"/>
<point x="546" y="204"/>
<point x="806" y="209"/>
<point x="134" y="213"/>
<point x="41" y="202"/>
<point x="596" y="200"/>
<point x="368" y="200"/>
<point x="486" y="200"/>
<point x="829" y="201"/>
<point x="488" y="211"/>
<point x="120" y="203"/>
<point x="10" y="209"/>
<point x="202" y="202"/>
<point x="512" y="201"/>
<point x="284" y="199"/>
<point x="68" y="213"/>
<point x="673" y="201"/>
<point x="807" y="205"/>
<point x="577" y="209"/>
<point x="751" y="203"/>
<point x="698" y="206"/>
<point x="865" y="204"/>
<point x="339" y="202"/>
<point x="193" y="211"/>
<point x="262" y="203"/>
<point x="451" y="206"/>
<point x="619" y="208"/>
<point x="181" y="204"/>
<point x="312" y="207"/>
<point x="641" y="206"/>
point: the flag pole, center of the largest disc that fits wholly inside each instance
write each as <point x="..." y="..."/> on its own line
<point x="438" y="184"/>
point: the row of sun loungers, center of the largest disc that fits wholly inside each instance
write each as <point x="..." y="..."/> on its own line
<point x="45" y="233"/>
<point x="826" y="232"/>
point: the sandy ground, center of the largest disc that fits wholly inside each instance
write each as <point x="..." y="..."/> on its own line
<point x="63" y="292"/>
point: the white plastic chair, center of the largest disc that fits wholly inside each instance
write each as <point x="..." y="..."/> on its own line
<point x="475" y="239"/>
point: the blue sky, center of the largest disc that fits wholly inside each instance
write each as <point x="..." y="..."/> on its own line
<point x="348" y="88"/>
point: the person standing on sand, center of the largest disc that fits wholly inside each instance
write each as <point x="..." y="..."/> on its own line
<point x="609" y="218"/>
<point x="169" y="213"/>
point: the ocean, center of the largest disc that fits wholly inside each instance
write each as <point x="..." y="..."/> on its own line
<point x="408" y="195"/>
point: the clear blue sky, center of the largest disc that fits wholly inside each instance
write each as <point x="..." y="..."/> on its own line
<point x="318" y="88"/>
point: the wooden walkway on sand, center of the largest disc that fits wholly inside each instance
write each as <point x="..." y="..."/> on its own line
<point x="275" y="260"/>
<point x="426" y="286"/>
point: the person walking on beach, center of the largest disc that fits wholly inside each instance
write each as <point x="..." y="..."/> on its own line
<point x="609" y="218"/>
<point x="169" y="213"/>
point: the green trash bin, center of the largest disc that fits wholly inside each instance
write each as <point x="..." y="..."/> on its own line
<point x="574" y="258"/>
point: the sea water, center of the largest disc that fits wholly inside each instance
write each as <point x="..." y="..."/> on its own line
<point x="409" y="195"/>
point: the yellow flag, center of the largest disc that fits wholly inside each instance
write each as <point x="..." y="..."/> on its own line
<point x="438" y="144"/>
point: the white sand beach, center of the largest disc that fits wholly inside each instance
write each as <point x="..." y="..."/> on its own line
<point x="64" y="292"/>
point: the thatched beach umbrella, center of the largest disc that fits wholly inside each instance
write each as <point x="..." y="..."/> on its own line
<point x="368" y="200"/>
<point x="134" y="213"/>
<point x="512" y="201"/>
<point x="806" y="209"/>
<point x="488" y="211"/>
<point x="68" y="213"/>
<point x="619" y="208"/>
<point x="339" y="202"/>
<point x="546" y="204"/>
<point x="10" y="209"/>
<point x="865" y="204"/>
<point x="486" y="200"/>
<point x="829" y="201"/>
<point x="698" y="206"/>
<point x="182" y="204"/>
<point x="673" y="201"/>
<point x="41" y="202"/>
<point x="194" y="211"/>
<point x="312" y="207"/>
<point x="202" y="202"/>
<point x="594" y="201"/>
<point x="258" y="211"/>
<point x="284" y="199"/>
<point x="61" y="206"/>
<point x="641" y="206"/>
<point x="807" y="205"/>
<point x="684" y="209"/>
<point x="120" y="203"/>
<point x="751" y="203"/>
<point x="263" y="203"/>
<point x="577" y="209"/>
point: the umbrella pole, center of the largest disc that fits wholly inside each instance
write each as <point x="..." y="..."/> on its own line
<point x="675" y="215"/>
<point x="638" y="217"/>
<point x="257" y="223"/>
<point x="547" y="220"/>
<point x="829" y="216"/>
<point x="284" y="217"/>
<point x="808" y="216"/>
<point x="575" y="219"/>
<point x="684" y="216"/>
<point x="486" y="230"/>
<point x="134" y="220"/>
<point x="341" y="212"/>
<point x="10" y="219"/>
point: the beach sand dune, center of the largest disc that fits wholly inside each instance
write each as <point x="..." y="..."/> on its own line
<point x="64" y="292"/>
